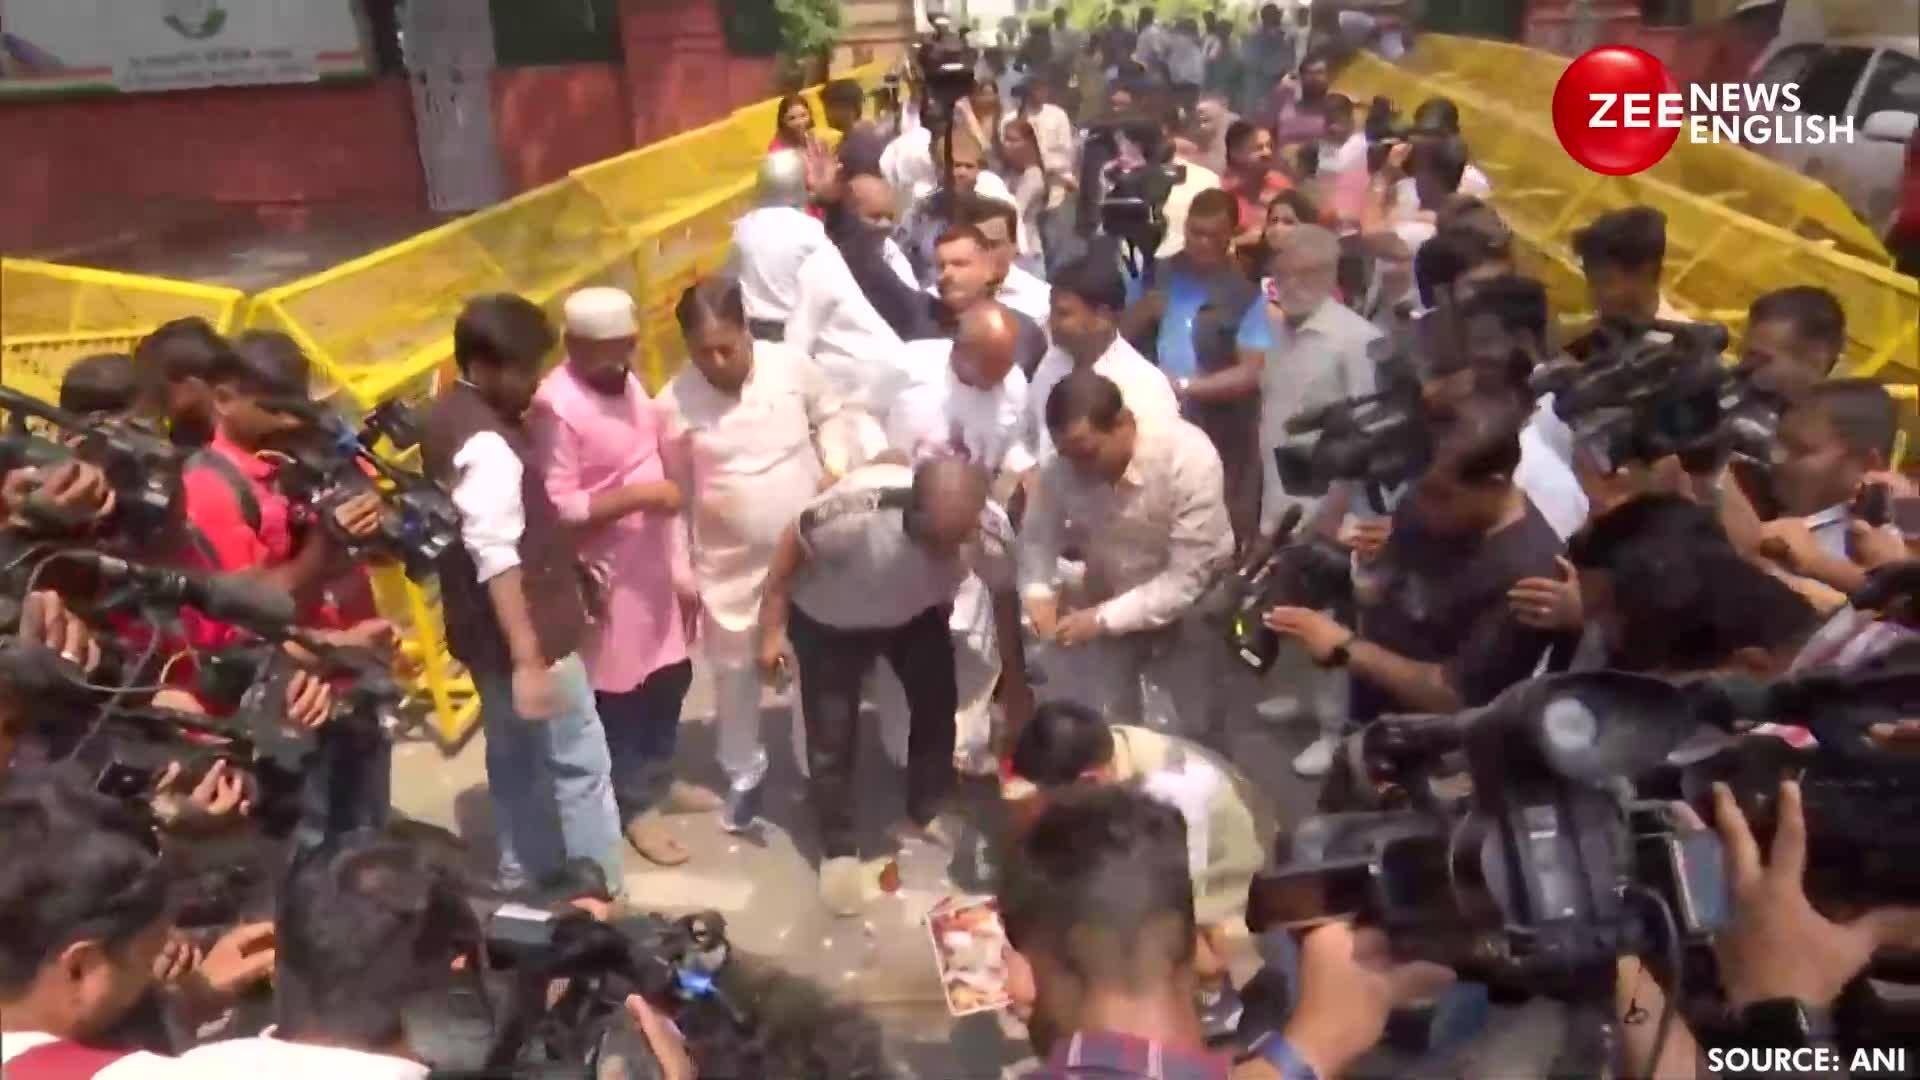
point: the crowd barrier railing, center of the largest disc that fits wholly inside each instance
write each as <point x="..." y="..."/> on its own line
<point x="1720" y="256"/>
<point x="379" y="327"/>
<point x="52" y="315"/>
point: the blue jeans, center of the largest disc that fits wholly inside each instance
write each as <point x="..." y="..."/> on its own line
<point x="643" y="728"/>
<point x="550" y="779"/>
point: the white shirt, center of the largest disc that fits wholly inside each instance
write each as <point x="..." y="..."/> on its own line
<point x="1546" y="474"/>
<point x="769" y="246"/>
<point x="1199" y="178"/>
<point x="835" y="323"/>
<point x="935" y="413"/>
<point x="907" y="164"/>
<point x="1026" y="294"/>
<point x="1406" y="197"/>
<point x="1144" y="388"/>
<point x="1053" y="131"/>
<point x="238" y="1059"/>
<point x="1348" y="156"/>
<point x="487" y="494"/>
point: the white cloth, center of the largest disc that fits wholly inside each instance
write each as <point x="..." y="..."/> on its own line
<point x="1190" y="788"/>
<point x="238" y="1059"/>
<point x="1199" y="178"/>
<point x="1027" y="294"/>
<point x="907" y="164"/>
<point x="602" y="313"/>
<point x="1144" y="388"/>
<point x="487" y="493"/>
<point x="1546" y="476"/>
<point x="1343" y="157"/>
<point x="770" y="245"/>
<point x="835" y="324"/>
<point x="896" y="261"/>
<point x="935" y="413"/>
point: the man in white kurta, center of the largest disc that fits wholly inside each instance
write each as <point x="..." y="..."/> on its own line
<point x="742" y="448"/>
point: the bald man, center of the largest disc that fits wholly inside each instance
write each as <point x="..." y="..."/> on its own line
<point x="861" y="226"/>
<point x="772" y="242"/>
<point x="966" y="399"/>
<point x="870" y="569"/>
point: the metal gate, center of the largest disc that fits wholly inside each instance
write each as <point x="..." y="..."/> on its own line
<point x="448" y="45"/>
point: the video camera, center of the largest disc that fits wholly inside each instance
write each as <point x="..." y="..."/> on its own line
<point x="678" y="965"/>
<point x="1133" y="208"/>
<point x="143" y="468"/>
<point x="1384" y="130"/>
<point x="1511" y="843"/>
<point x="1312" y="572"/>
<point x="336" y="463"/>
<point x="1379" y="440"/>
<point x="944" y="65"/>
<point x="1646" y="392"/>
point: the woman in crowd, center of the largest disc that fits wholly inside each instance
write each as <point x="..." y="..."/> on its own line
<point x="1288" y="209"/>
<point x="1035" y="195"/>
<point x="982" y="115"/>
<point x="793" y="126"/>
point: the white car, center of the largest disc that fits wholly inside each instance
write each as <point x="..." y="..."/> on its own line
<point x="1875" y="80"/>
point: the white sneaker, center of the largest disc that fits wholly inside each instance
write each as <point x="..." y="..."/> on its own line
<point x="1283" y="707"/>
<point x="1316" y="759"/>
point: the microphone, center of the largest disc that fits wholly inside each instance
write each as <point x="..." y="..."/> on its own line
<point x="245" y="602"/>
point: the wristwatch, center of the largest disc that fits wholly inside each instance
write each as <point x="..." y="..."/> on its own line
<point x="1341" y="653"/>
<point x="1786" y="1022"/>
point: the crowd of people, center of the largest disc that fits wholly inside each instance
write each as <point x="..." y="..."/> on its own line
<point x="931" y="412"/>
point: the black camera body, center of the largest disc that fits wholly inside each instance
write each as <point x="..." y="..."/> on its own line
<point x="1380" y="440"/>
<point x="1312" y="572"/>
<point x="142" y="468"/>
<point x="943" y="65"/>
<point x="333" y="463"/>
<point x="1646" y="392"/>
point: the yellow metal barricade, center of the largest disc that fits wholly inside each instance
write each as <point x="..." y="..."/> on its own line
<point x="1721" y="255"/>
<point x="52" y="315"/>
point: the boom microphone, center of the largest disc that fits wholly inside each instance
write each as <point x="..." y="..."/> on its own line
<point x="245" y="602"/>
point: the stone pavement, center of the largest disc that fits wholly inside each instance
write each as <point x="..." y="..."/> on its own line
<point x="765" y="884"/>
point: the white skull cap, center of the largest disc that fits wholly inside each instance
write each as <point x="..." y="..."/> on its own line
<point x="602" y="313"/>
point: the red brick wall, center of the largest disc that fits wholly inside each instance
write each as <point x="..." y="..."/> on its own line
<point x="678" y="72"/>
<point x="548" y="120"/>
<point x="78" y="168"/>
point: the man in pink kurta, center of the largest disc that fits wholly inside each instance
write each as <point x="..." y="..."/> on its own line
<point x="597" y="439"/>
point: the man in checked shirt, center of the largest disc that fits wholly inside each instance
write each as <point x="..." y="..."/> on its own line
<point x="1144" y="506"/>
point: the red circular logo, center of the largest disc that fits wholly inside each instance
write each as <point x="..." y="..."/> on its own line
<point x="1607" y="110"/>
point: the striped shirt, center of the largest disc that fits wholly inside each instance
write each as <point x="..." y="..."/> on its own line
<point x="1105" y="1055"/>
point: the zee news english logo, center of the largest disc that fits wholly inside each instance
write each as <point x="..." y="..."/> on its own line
<point x="1617" y="110"/>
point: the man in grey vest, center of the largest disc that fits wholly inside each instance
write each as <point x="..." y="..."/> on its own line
<point x="871" y="569"/>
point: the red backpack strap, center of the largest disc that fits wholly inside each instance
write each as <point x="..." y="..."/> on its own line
<point x="60" y="1060"/>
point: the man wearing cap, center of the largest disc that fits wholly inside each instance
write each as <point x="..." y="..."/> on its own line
<point x="771" y="241"/>
<point x="741" y="426"/>
<point x="596" y="439"/>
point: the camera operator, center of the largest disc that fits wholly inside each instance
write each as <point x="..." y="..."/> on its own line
<point x="44" y="621"/>
<point x="72" y="491"/>
<point x="90" y="935"/>
<point x="1833" y="438"/>
<point x="104" y="388"/>
<point x="1623" y="254"/>
<point x="1142" y="501"/>
<point x="178" y="361"/>
<point x="1098" y="907"/>
<point x="1794" y="339"/>
<point x="1437" y="635"/>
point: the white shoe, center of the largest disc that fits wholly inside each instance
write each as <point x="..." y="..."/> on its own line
<point x="1316" y="759"/>
<point x="840" y="887"/>
<point x="1284" y="707"/>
